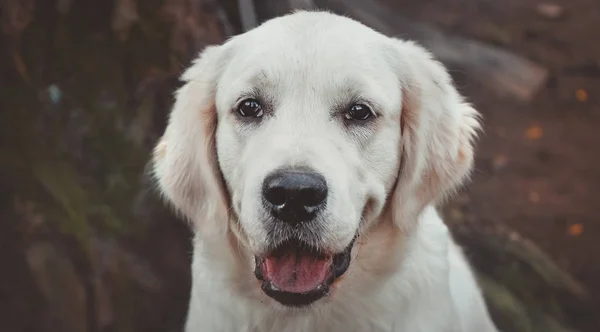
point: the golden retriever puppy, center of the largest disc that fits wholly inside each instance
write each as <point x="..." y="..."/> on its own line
<point x="308" y="155"/>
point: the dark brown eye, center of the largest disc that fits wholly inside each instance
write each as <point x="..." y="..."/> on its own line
<point x="358" y="112"/>
<point x="250" y="108"/>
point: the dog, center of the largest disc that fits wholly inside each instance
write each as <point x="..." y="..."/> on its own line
<point x="309" y="154"/>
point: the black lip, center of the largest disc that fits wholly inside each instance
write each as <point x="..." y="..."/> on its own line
<point x="295" y="299"/>
<point x="339" y="266"/>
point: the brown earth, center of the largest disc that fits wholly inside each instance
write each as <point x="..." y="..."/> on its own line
<point x="538" y="164"/>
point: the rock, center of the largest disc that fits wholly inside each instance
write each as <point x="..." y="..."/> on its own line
<point x="511" y="314"/>
<point x="62" y="288"/>
<point x="550" y="11"/>
<point x="526" y="291"/>
<point x="496" y="68"/>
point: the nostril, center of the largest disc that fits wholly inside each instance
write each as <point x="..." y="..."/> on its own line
<point x="275" y="195"/>
<point x="313" y="196"/>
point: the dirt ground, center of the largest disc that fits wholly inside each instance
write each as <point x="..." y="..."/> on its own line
<point x="538" y="164"/>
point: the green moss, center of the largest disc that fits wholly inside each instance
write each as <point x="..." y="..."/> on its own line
<point x="511" y="314"/>
<point x="505" y="306"/>
<point x="59" y="181"/>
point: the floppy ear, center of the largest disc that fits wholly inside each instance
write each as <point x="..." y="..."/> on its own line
<point x="184" y="160"/>
<point x="437" y="132"/>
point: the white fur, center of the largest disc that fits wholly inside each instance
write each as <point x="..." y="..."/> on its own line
<point x="384" y="178"/>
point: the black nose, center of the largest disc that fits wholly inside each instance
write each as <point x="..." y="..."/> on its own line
<point x="294" y="196"/>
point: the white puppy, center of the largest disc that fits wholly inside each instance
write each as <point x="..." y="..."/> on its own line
<point x="308" y="154"/>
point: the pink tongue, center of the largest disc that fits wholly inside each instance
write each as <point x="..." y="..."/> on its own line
<point x="296" y="272"/>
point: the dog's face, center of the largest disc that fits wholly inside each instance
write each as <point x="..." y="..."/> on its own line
<point x="296" y="136"/>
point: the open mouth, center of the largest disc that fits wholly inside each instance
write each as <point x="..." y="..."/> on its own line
<point x="297" y="275"/>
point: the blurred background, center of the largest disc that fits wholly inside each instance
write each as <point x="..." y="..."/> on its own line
<point x="86" y="86"/>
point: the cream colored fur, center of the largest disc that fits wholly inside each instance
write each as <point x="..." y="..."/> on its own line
<point x="406" y="273"/>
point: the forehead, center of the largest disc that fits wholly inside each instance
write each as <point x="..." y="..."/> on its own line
<point x="311" y="54"/>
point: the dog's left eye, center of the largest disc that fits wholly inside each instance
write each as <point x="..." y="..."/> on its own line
<point x="358" y="112"/>
<point x="250" y="108"/>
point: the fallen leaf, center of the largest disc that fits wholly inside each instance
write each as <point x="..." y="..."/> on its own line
<point x="534" y="132"/>
<point x="575" y="230"/>
<point x="534" y="197"/>
<point x="499" y="161"/>
<point x="20" y="66"/>
<point x="581" y="95"/>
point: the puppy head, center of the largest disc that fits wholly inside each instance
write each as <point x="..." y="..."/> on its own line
<point x="295" y="136"/>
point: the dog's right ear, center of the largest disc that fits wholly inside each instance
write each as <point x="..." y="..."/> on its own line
<point x="184" y="160"/>
<point x="438" y="130"/>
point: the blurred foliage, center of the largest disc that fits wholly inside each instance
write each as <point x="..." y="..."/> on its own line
<point x="75" y="120"/>
<point x="86" y="96"/>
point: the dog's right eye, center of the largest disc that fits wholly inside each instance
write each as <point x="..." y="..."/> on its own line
<point x="250" y="108"/>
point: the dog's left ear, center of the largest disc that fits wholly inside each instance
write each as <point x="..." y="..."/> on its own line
<point x="185" y="160"/>
<point x="437" y="132"/>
